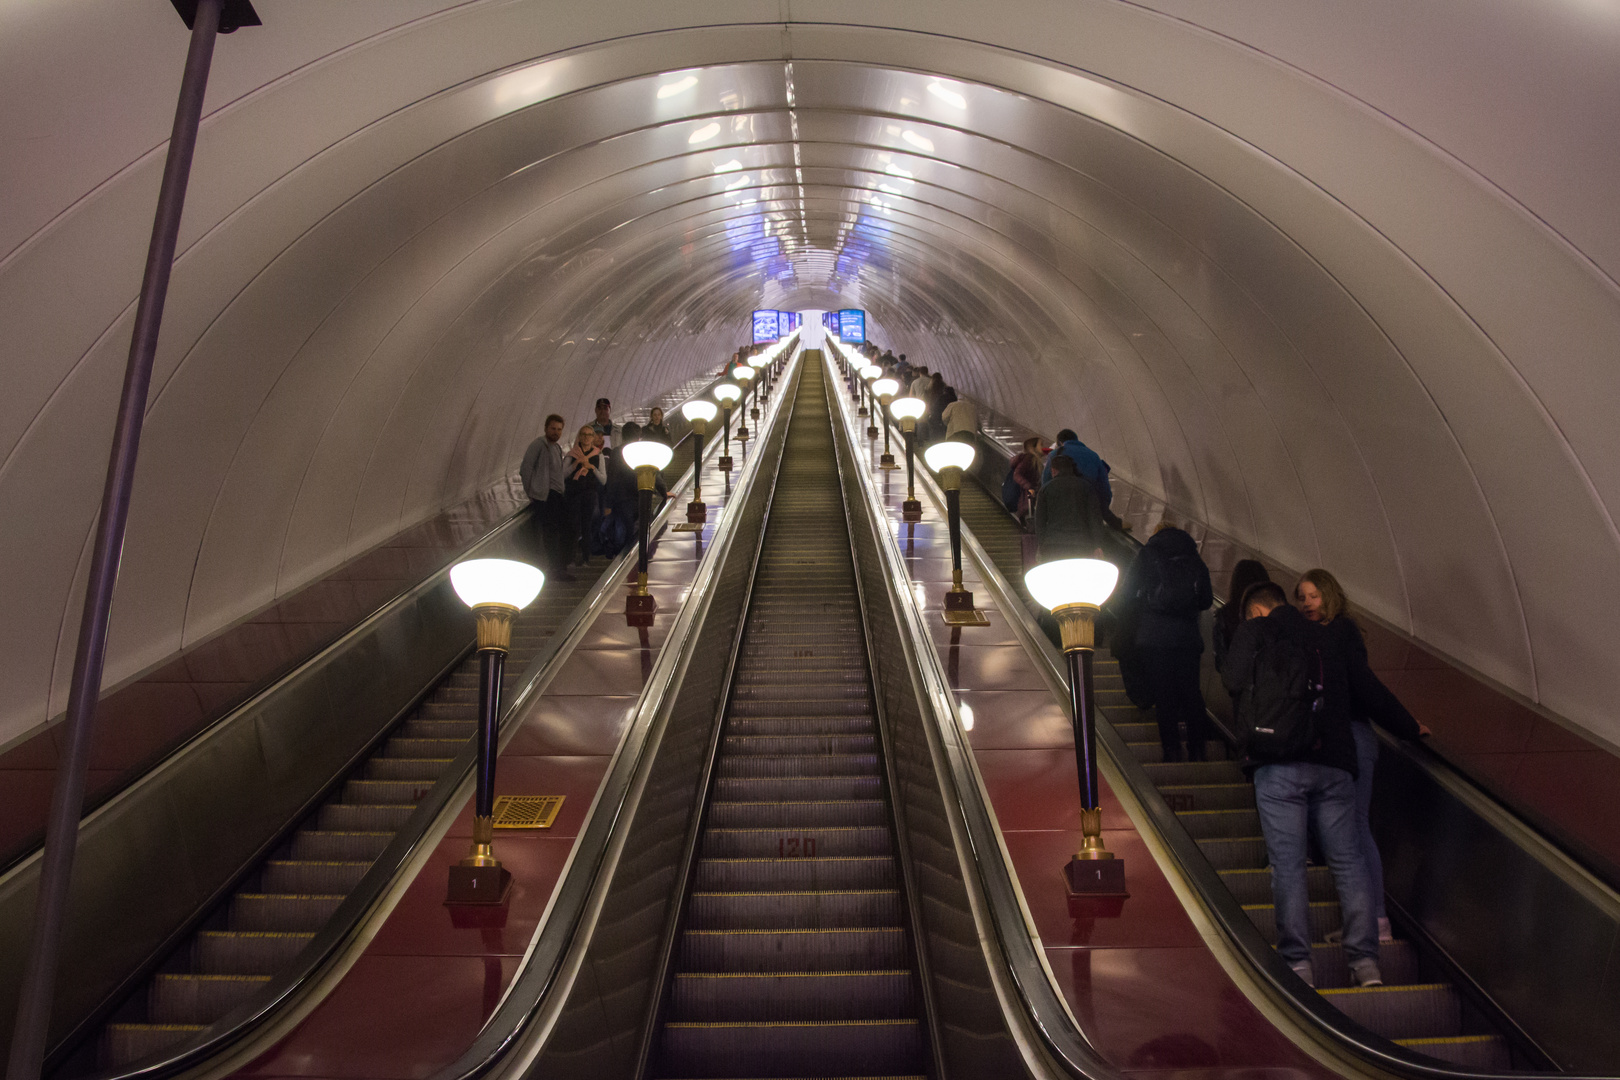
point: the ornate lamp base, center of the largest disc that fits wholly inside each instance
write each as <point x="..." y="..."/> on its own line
<point x="911" y="510"/>
<point x="959" y="610"/>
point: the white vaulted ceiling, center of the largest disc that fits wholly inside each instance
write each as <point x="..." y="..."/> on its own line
<point x="1337" y="279"/>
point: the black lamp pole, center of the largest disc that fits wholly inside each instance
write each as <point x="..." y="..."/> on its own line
<point x="911" y="509"/>
<point x="725" y="434"/>
<point x="480" y="878"/>
<point x="695" y="510"/>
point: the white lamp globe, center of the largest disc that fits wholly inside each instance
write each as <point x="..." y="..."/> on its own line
<point x="742" y="372"/>
<point x="1062" y="582"/>
<point x="496" y="581"/>
<point x="908" y="408"/>
<point x="886" y="387"/>
<point x="698" y="409"/>
<point x="646" y="452"/>
<point x="728" y="392"/>
<point x="870" y="372"/>
<point x="949" y="454"/>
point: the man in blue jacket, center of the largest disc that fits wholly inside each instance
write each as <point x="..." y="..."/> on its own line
<point x="1086" y="462"/>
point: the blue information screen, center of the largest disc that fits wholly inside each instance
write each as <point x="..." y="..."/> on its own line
<point x="766" y="327"/>
<point x="852" y="326"/>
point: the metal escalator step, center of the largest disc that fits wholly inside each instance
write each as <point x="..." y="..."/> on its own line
<point x="805" y="995"/>
<point x="787" y="910"/>
<point x="1147" y="752"/>
<point x="198" y="999"/>
<point x="1208" y="824"/>
<point x="800" y="689"/>
<point x="835" y="949"/>
<point x="224" y="952"/>
<point x="808" y="841"/>
<point x="854" y="1047"/>
<point x="789" y="765"/>
<point x="820" y="652"/>
<point x="442" y="694"/>
<point x="800" y="725"/>
<point x="1325" y="919"/>
<point x="1194" y="772"/>
<point x="789" y="814"/>
<point x="122" y="1044"/>
<point x="458" y="730"/>
<point x="340" y="844"/>
<point x="801" y="745"/>
<point x="795" y="874"/>
<point x="282" y="911"/>
<point x="465" y="711"/>
<point x="1488" y="1053"/>
<point x="1137" y="732"/>
<point x="797" y="788"/>
<point x="416" y="770"/>
<point x="1253" y="886"/>
<point x="1192" y="797"/>
<point x="365" y="817"/>
<point x="386" y="791"/>
<point x="311" y="876"/>
<point x="409" y="746"/>
<point x="771" y="710"/>
<point x="1234" y="852"/>
<point x="1416" y="1011"/>
<point x="1397" y="961"/>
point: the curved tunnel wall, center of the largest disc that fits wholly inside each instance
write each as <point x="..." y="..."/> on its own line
<point x="1303" y="296"/>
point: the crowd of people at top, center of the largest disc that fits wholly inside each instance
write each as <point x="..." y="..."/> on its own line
<point x="946" y="415"/>
<point x="584" y="495"/>
<point x="1296" y="667"/>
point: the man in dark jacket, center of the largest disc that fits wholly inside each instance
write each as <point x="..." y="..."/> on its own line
<point x="1166" y="588"/>
<point x="1313" y="787"/>
<point x="1068" y="517"/>
<point x="1087" y="462"/>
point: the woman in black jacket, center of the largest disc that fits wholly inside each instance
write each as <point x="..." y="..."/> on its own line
<point x="1167" y="588"/>
<point x="1321" y="598"/>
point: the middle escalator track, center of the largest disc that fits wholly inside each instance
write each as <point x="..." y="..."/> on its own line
<point x="794" y="956"/>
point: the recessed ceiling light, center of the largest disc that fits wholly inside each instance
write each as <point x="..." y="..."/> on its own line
<point x="679" y="86"/>
<point x="920" y="142"/>
<point x="709" y="131"/>
<point x="944" y="93"/>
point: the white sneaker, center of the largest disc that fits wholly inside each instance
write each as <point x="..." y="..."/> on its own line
<point x="1386" y="935"/>
<point x="1366" y="973"/>
<point x="1306" y="973"/>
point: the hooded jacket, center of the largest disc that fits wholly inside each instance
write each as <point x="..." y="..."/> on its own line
<point x="1087" y="463"/>
<point x="1172" y="629"/>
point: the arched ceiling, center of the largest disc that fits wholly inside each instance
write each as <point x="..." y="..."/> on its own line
<point x="1339" y="281"/>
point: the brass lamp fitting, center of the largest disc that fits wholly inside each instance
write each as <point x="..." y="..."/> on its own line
<point x="700" y="428"/>
<point x="494" y="623"/>
<point x="1077" y="626"/>
<point x="950" y="478"/>
<point x="908" y="425"/>
<point x="646" y="478"/>
<point x="1091" y="846"/>
<point x="483" y="843"/>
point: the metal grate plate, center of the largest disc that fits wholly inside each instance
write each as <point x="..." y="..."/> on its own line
<point x="527" y="811"/>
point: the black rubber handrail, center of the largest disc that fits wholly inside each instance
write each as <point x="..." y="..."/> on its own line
<point x="291" y="985"/>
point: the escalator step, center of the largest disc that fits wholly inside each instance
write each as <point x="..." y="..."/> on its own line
<point x="1195" y="772"/>
<point x="339" y="844"/>
<point x="222" y="952"/>
<point x="408" y="746"/>
<point x="198" y="999"/>
<point x="282" y="911"/>
<point x="311" y="876"/>
<point x="1324" y="919"/>
<point x="1488" y="1053"/>
<point x="810" y="995"/>
<point x="832" y="949"/>
<point x="759" y="875"/>
<point x="1209" y="824"/>
<point x="1253" y="886"/>
<point x="796" y="788"/>
<point x="777" y="815"/>
<point x="124" y="1043"/>
<point x="386" y="791"/>
<point x="797" y="765"/>
<point x="1397" y="961"/>
<point x="854" y="1047"/>
<point x="364" y="817"/>
<point x="1186" y="797"/>
<point x="1415" y="1011"/>
<point x="456" y="730"/>
<point x="404" y="768"/>
<point x="801" y="745"/>
<point x="814" y="707"/>
<point x="800" y="725"/>
<point x="786" y="910"/>
<point x="1234" y="853"/>
<point x="818" y="841"/>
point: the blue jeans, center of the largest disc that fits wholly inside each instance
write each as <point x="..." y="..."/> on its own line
<point x="1294" y="799"/>
<point x="1366" y="761"/>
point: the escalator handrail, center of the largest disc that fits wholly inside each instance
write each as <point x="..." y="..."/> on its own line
<point x="1032" y="1004"/>
<point x="414" y="839"/>
<point x="528" y="1008"/>
<point x="1261" y="961"/>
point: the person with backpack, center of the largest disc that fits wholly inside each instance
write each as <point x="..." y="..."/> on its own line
<point x="1087" y="462"/>
<point x="1023" y="480"/>
<point x="1321" y="599"/>
<point x="1247" y="572"/>
<point x="1068" y="521"/>
<point x="1292" y="699"/>
<point x="1167" y="587"/>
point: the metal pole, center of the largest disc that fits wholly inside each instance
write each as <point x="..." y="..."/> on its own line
<point x="1085" y="726"/>
<point x="643" y="512"/>
<point x="911" y="469"/>
<point x="697" y="466"/>
<point x="38" y="990"/>
<point x="491" y="665"/>
<point x="953" y="515"/>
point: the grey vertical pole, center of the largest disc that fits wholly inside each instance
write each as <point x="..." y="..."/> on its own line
<point x="28" y="1040"/>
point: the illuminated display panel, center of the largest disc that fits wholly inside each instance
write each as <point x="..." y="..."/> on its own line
<point x="852" y="326"/>
<point x="767" y="327"/>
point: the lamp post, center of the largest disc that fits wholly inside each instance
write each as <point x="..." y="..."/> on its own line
<point x="1073" y="590"/>
<point x="698" y="413"/>
<point x="885" y="390"/>
<point x="647" y="457"/>
<point x="861" y="378"/>
<point x="727" y="393"/>
<point x="868" y="374"/>
<point x="745" y="374"/>
<point x="949" y="459"/>
<point x="496" y="590"/>
<point x="909" y="410"/>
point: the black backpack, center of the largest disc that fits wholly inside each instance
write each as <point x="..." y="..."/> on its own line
<point x="1277" y="713"/>
<point x="1174" y="588"/>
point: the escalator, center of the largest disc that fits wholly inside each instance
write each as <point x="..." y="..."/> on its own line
<point x="794" y="954"/>
<point x="1419" y="1007"/>
<point x="277" y="909"/>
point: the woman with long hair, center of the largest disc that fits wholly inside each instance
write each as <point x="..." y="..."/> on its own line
<point x="583" y="477"/>
<point x="1322" y="600"/>
<point x="656" y="428"/>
